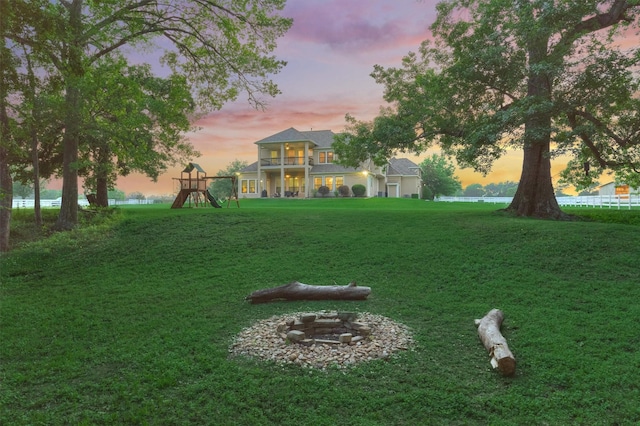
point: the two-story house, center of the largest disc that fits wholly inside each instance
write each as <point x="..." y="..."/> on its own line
<point x="296" y="163"/>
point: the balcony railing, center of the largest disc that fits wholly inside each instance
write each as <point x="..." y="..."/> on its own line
<point x="287" y="161"/>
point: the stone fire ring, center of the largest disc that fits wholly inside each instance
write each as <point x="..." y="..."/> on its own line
<point x="322" y="339"/>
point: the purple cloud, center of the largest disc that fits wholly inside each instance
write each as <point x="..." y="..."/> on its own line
<point x="358" y="25"/>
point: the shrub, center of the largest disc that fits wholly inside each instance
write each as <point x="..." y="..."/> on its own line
<point x="323" y="190"/>
<point x="358" y="190"/>
<point x="427" y="194"/>
<point x="344" y="190"/>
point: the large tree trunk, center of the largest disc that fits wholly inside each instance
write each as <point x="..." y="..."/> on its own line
<point x="6" y="183"/>
<point x="33" y="130"/>
<point x="535" y="196"/>
<point x="68" y="217"/>
<point x="102" y="156"/>
<point x="102" y="191"/>
<point x="299" y="291"/>
<point x="6" y="191"/>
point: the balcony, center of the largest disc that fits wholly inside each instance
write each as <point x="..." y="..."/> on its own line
<point x="286" y="161"/>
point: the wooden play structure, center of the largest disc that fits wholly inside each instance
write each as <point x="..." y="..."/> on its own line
<point x="194" y="188"/>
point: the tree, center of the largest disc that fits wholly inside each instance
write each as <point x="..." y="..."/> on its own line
<point x="438" y="176"/>
<point x="221" y="188"/>
<point x="501" y="189"/>
<point x="8" y="79"/>
<point x="222" y="48"/>
<point x="132" y="122"/>
<point x="530" y="74"/>
<point x="474" y="190"/>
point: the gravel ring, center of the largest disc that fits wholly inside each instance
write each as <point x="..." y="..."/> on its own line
<point x="263" y="342"/>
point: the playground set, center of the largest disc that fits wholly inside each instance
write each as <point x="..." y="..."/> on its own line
<point x="194" y="188"/>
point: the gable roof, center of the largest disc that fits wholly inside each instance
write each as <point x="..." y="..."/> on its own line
<point x="321" y="138"/>
<point x="191" y="166"/>
<point x="402" y="167"/>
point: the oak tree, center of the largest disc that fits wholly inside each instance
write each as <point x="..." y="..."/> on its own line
<point x="548" y="77"/>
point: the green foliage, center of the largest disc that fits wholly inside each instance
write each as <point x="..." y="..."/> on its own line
<point x="358" y="190"/>
<point x="221" y="188"/>
<point x="545" y="77"/>
<point x="214" y="51"/>
<point x="133" y="122"/>
<point x="132" y="312"/>
<point x="21" y="190"/>
<point x="116" y="194"/>
<point x="344" y="191"/>
<point x="426" y="193"/>
<point x="438" y="175"/>
<point x="474" y="190"/>
<point x="324" y="191"/>
<point x="501" y="189"/>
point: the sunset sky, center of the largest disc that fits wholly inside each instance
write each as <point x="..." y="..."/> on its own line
<point x="331" y="50"/>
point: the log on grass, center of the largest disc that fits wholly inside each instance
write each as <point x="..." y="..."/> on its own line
<point x="299" y="291"/>
<point x="495" y="343"/>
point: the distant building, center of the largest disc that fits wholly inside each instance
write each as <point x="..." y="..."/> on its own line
<point x="296" y="164"/>
<point x="613" y="188"/>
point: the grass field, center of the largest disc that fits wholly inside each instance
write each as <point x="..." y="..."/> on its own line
<point x="129" y="319"/>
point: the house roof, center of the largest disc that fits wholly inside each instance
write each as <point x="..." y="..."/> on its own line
<point x="321" y="138"/>
<point x="402" y="167"/>
<point x="253" y="167"/>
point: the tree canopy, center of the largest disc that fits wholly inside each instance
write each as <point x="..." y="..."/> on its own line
<point x="546" y="77"/>
<point x="220" y="49"/>
<point x="221" y="188"/>
<point x="438" y="178"/>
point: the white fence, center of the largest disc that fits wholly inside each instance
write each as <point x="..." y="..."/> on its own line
<point x="601" y="201"/>
<point x="29" y="203"/>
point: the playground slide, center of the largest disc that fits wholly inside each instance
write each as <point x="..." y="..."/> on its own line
<point x="213" y="201"/>
<point x="180" y="199"/>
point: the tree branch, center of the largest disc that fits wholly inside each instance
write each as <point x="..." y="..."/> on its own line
<point x="598" y="22"/>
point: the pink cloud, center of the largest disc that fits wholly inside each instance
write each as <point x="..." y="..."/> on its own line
<point x="358" y="25"/>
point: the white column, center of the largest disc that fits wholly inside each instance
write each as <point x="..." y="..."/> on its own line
<point x="259" y="183"/>
<point x="282" y="170"/>
<point x="306" y="169"/>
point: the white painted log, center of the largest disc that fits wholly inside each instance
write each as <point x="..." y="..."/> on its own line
<point x="299" y="291"/>
<point x="495" y="343"/>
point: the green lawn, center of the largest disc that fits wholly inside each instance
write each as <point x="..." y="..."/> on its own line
<point x="129" y="321"/>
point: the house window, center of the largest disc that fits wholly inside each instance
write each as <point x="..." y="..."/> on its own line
<point x="248" y="186"/>
<point x="339" y="181"/>
<point x="325" y="157"/>
<point x="328" y="182"/>
<point x="317" y="182"/>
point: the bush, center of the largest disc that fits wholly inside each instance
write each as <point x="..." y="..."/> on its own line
<point x="344" y="190"/>
<point x="358" y="190"/>
<point x="427" y="194"/>
<point x="323" y="190"/>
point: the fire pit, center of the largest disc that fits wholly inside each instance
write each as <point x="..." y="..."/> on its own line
<point x="322" y="339"/>
<point x="325" y="328"/>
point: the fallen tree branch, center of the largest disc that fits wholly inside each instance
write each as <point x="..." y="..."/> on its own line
<point x="495" y="343"/>
<point x="299" y="291"/>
